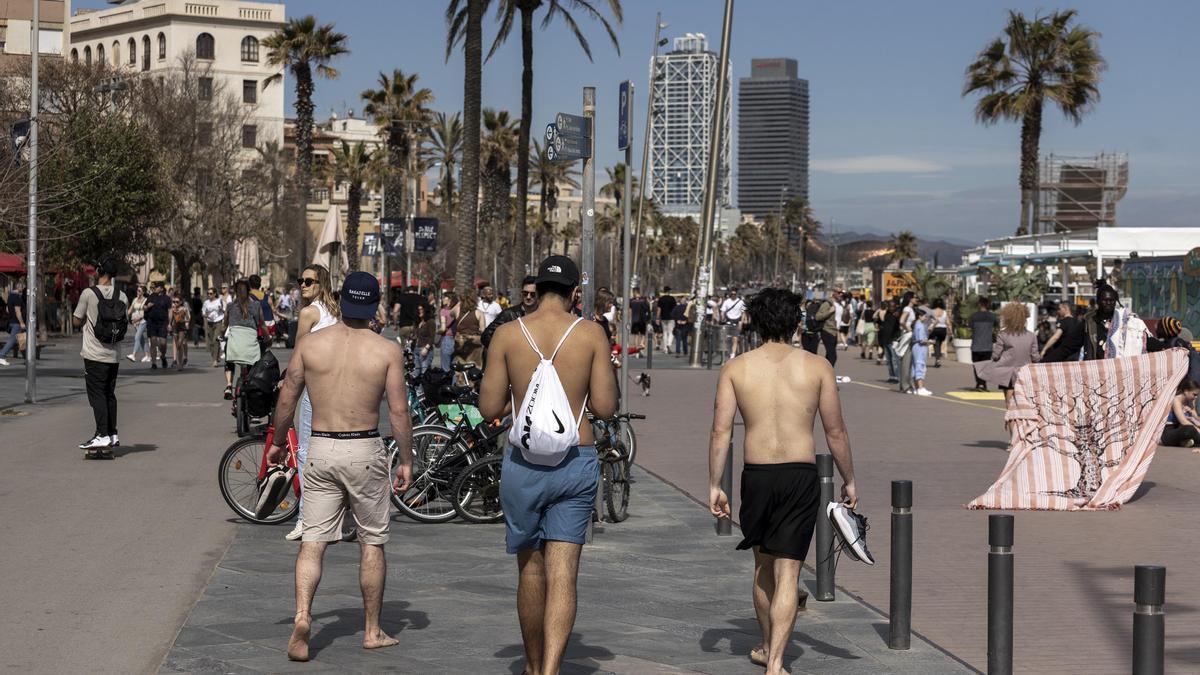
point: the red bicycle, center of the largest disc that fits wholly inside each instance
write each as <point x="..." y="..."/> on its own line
<point x="243" y="467"/>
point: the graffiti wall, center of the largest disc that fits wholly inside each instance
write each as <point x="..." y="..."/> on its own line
<point x="1161" y="287"/>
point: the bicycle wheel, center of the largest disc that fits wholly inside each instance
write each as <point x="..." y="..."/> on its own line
<point x="237" y="475"/>
<point x="630" y="440"/>
<point x="438" y="457"/>
<point x="615" y="479"/>
<point x="477" y="491"/>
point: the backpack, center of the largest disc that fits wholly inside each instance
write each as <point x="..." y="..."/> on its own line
<point x="540" y="427"/>
<point x="437" y="386"/>
<point x="260" y="385"/>
<point x="811" y="325"/>
<point x="110" y="318"/>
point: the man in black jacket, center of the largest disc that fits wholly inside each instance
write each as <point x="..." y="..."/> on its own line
<point x="529" y="302"/>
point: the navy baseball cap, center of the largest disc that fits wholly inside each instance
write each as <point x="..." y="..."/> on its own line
<point x="359" y="298"/>
<point x="559" y="269"/>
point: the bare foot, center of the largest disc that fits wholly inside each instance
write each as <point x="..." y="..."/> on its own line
<point x="378" y="640"/>
<point x="298" y="644"/>
<point x="758" y="656"/>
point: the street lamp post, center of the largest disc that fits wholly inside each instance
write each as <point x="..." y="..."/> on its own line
<point x="659" y="41"/>
<point x="31" y="266"/>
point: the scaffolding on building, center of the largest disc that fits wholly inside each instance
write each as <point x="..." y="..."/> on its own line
<point x="1080" y="193"/>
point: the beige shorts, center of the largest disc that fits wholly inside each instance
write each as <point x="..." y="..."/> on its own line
<point x="341" y="474"/>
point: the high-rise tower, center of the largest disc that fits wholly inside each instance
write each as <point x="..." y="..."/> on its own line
<point x="772" y="137"/>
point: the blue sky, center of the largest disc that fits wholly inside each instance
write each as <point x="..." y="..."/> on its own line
<point x="893" y="144"/>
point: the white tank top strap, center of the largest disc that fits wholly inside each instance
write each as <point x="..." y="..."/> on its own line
<point x="325" y="321"/>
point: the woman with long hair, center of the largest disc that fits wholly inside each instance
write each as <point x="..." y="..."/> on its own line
<point x="468" y="343"/>
<point x="1183" y="426"/>
<point x="137" y="316"/>
<point x="1015" y="347"/>
<point x="181" y="321"/>
<point x="318" y="310"/>
<point x="243" y="321"/>
<point x="425" y="339"/>
<point x="446" y="328"/>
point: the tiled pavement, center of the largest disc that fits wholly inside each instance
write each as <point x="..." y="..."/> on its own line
<point x="659" y="593"/>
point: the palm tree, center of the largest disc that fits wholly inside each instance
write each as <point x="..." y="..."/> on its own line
<point x="353" y="165"/>
<point x="548" y="176"/>
<point x="1046" y="58"/>
<point x="445" y="139"/>
<point x="399" y="107"/>
<point x="507" y="12"/>
<point x="497" y="149"/>
<point x="466" y="26"/>
<point x="903" y="245"/>
<point x="798" y="216"/>
<point x="615" y="187"/>
<point x="302" y="47"/>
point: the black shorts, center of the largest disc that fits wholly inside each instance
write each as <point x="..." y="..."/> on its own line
<point x="638" y="328"/>
<point x="156" y="330"/>
<point x="779" y="508"/>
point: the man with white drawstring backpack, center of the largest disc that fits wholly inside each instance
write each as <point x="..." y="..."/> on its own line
<point x="549" y="365"/>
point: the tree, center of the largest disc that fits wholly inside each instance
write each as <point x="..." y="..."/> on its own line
<point x="615" y="187"/>
<point x="302" y="46"/>
<point x="798" y="216"/>
<point x="903" y="245"/>
<point x="547" y="176"/>
<point x="466" y="27"/>
<point x="507" y="12"/>
<point x="400" y="108"/>
<point x="353" y="165"/>
<point x="1046" y="58"/>
<point x="1019" y="286"/>
<point x="445" y="139"/>
<point x="928" y="284"/>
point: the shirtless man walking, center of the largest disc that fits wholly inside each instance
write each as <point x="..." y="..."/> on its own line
<point x="547" y="509"/>
<point x="780" y="490"/>
<point x="347" y="368"/>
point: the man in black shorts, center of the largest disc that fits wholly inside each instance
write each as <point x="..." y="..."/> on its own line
<point x="639" y="316"/>
<point x="780" y="494"/>
<point x="158" y="314"/>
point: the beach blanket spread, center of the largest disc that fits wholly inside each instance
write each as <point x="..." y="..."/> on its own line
<point x="1084" y="432"/>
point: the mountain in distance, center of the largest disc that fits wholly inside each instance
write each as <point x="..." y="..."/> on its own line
<point x="871" y="248"/>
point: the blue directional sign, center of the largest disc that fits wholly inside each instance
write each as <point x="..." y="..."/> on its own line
<point x="573" y="125"/>
<point x="623" y="115"/>
<point x="571" y="148"/>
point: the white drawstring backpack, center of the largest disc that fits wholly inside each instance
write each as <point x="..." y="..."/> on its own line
<point x="542" y="426"/>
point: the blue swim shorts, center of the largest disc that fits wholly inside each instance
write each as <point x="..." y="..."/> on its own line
<point x="548" y="503"/>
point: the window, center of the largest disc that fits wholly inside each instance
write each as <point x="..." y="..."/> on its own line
<point x="249" y="91"/>
<point x="74" y="56"/>
<point x="145" y="52"/>
<point x="204" y="134"/>
<point x="205" y="88"/>
<point x="116" y="54"/>
<point x="162" y="46"/>
<point x="100" y="55"/>
<point x="132" y="52"/>
<point x="87" y="55"/>
<point x="250" y="49"/>
<point x="320" y="194"/>
<point x="205" y="47"/>
<point x="249" y="136"/>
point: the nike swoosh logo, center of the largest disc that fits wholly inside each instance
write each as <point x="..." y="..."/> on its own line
<point x="561" y="428"/>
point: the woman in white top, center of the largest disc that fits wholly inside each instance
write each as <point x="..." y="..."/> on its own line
<point x="137" y="316"/>
<point x="319" y="311"/>
<point x="941" y="327"/>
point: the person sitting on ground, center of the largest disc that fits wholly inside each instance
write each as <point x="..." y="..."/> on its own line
<point x="780" y="489"/>
<point x="1183" y="424"/>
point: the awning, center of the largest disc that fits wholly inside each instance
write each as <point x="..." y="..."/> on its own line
<point x="12" y="263"/>
<point x="331" y="251"/>
<point x="245" y="256"/>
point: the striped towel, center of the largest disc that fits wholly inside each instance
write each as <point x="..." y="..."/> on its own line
<point x="1084" y="432"/>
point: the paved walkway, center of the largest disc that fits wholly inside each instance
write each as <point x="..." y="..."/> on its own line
<point x="1074" y="571"/>
<point x="659" y="593"/>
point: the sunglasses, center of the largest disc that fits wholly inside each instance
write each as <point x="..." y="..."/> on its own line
<point x="529" y="294"/>
<point x="306" y="282"/>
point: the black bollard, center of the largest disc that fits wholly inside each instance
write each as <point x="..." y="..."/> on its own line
<point x="900" y="607"/>
<point x="824" y="529"/>
<point x="649" y="348"/>
<point x="1000" y="594"/>
<point x="1149" y="621"/>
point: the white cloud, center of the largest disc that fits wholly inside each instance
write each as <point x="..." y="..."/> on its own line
<point x="878" y="164"/>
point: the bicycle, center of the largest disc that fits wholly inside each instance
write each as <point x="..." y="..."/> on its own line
<point x="241" y="468"/>
<point x="615" y="463"/>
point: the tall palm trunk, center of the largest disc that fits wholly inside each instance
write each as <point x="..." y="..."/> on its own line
<point x="468" y="211"/>
<point x="803" y="259"/>
<point x="353" y="214"/>
<point x="395" y="196"/>
<point x="1031" y="133"/>
<point x="304" y="160"/>
<point x="519" y="229"/>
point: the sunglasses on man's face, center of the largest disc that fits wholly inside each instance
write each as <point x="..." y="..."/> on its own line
<point x="306" y="282"/>
<point x="529" y="294"/>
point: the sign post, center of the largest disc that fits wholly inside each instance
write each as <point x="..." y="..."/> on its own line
<point x="624" y="119"/>
<point x="587" y="251"/>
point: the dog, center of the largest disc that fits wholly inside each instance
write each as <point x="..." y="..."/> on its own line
<point x="644" y="380"/>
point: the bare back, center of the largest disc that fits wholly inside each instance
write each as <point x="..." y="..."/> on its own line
<point x="779" y="390"/>
<point x="346" y="371"/>
<point x="583" y="365"/>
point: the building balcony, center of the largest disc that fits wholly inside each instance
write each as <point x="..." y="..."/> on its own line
<point x="154" y="9"/>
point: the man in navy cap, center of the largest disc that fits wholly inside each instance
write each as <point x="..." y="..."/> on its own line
<point x="547" y="509"/>
<point x="347" y="368"/>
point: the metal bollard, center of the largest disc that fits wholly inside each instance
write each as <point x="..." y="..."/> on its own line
<point x="824" y="529"/>
<point x="1149" y="621"/>
<point x="1000" y="594"/>
<point x="725" y="525"/>
<point x="900" y="606"/>
<point x="649" y="348"/>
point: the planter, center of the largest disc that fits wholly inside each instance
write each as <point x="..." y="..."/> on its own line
<point x="962" y="350"/>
